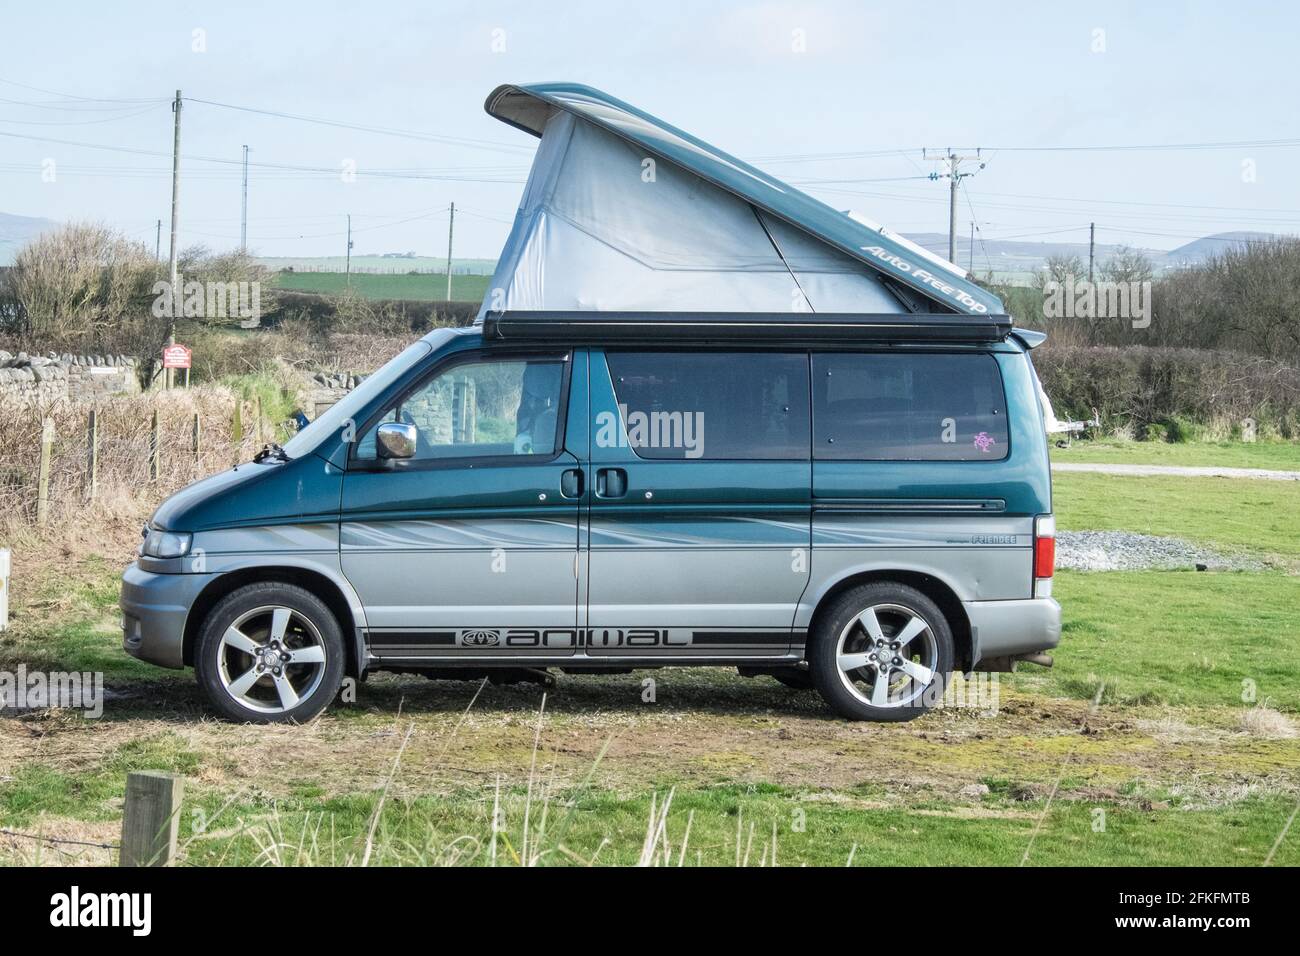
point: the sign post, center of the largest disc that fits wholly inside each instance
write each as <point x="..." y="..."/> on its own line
<point x="178" y="356"/>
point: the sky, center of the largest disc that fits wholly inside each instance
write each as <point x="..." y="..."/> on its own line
<point x="839" y="98"/>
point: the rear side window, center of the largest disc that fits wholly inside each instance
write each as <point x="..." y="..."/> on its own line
<point x="901" y="407"/>
<point x="711" y="405"/>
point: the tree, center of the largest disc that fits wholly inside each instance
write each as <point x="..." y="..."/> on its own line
<point x="74" y="279"/>
<point x="1127" y="264"/>
<point x="1061" y="268"/>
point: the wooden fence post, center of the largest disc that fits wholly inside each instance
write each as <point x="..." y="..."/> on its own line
<point x="237" y="429"/>
<point x="4" y="588"/>
<point x="43" y="474"/>
<point x="197" y="436"/>
<point x="150" y="818"/>
<point x="257" y="410"/>
<point x="154" y="443"/>
<point x="92" y="454"/>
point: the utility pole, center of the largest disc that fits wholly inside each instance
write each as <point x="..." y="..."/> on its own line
<point x="348" y="268"/>
<point x="970" y="252"/>
<point x="1092" y="247"/>
<point x="157" y="244"/>
<point x="451" y="230"/>
<point x="954" y="177"/>
<point x="176" y="186"/>
<point x="243" y="211"/>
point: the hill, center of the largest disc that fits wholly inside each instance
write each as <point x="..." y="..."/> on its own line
<point x="16" y="230"/>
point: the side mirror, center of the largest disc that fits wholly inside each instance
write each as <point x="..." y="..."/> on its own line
<point x="395" y="440"/>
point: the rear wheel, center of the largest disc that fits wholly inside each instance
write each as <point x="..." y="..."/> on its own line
<point x="270" y="653"/>
<point x="882" y="651"/>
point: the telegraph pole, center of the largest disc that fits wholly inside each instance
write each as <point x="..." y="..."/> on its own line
<point x="970" y="252"/>
<point x="451" y="231"/>
<point x="348" y="267"/>
<point x="243" y="210"/>
<point x="954" y="177"/>
<point x="1092" y="247"/>
<point x="176" y="186"/>
<point x="157" y="244"/>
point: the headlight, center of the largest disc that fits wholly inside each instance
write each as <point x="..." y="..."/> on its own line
<point x="165" y="544"/>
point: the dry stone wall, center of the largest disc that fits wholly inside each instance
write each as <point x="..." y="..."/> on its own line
<point x="44" y="379"/>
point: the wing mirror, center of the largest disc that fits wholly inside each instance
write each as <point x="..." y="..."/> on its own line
<point x="395" y="440"/>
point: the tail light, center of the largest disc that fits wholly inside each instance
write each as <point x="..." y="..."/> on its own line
<point x="1044" y="554"/>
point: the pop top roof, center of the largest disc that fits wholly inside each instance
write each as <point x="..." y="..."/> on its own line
<point x="528" y="108"/>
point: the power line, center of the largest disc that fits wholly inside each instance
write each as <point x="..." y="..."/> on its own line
<point x="334" y="171"/>
<point x="84" y="99"/>
<point x="1097" y="148"/>
<point x="381" y="130"/>
<point x="106" y="119"/>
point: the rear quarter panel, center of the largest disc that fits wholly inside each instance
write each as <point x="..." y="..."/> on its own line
<point x="968" y="524"/>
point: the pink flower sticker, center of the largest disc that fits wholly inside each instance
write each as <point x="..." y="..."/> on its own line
<point x="984" y="441"/>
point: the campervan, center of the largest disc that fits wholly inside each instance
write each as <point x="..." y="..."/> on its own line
<point x="702" y="419"/>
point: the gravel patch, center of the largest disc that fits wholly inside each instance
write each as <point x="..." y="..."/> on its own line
<point x="1128" y="551"/>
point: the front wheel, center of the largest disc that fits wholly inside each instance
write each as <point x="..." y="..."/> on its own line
<point x="883" y="651"/>
<point x="270" y="653"/>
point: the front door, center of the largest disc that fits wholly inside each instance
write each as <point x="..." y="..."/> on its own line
<point x="469" y="549"/>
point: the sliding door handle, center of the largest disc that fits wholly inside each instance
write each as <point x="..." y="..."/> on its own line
<point x="611" y="483"/>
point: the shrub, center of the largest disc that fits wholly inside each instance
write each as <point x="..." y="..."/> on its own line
<point x="75" y="280"/>
<point x="1187" y="393"/>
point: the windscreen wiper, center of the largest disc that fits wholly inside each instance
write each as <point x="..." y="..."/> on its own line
<point x="271" y="451"/>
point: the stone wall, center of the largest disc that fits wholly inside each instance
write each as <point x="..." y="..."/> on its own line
<point x="323" y="389"/>
<point x="44" y="379"/>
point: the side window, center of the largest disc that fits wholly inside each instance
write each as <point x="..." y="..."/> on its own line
<point x="900" y="407"/>
<point x="481" y="409"/>
<point x="711" y="405"/>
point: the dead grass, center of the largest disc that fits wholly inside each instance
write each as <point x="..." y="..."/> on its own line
<point x="1265" y="722"/>
<point x="125" y="488"/>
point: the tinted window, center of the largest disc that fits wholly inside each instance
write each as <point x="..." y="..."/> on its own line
<point x="908" y="407"/>
<point x="719" y="405"/>
<point x="481" y="409"/>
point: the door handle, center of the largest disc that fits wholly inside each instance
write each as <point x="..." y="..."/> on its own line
<point x="611" y="483"/>
<point x="571" y="483"/>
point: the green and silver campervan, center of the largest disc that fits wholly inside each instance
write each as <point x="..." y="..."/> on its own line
<point x="702" y="419"/>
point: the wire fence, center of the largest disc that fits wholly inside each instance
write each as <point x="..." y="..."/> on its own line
<point x="58" y="841"/>
<point x="60" y="462"/>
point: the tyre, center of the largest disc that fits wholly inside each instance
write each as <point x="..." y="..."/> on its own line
<point x="270" y="653"/>
<point x="882" y="651"/>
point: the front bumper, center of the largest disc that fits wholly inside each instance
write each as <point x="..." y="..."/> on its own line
<point x="1005" y="628"/>
<point x="154" y="610"/>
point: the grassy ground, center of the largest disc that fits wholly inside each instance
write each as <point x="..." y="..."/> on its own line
<point x="1284" y="456"/>
<point x="423" y="288"/>
<point x="1249" y="515"/>
<point x="1166" y="734"/>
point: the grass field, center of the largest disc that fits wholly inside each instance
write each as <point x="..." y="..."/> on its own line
<point x="1283" y="456"/>
<point x="422" y="288"/>
<point x="1259" y="517"/>
<point x="1166" y="734"/>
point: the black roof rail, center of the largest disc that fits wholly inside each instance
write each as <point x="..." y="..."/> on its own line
<point x="734" y="327"/>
